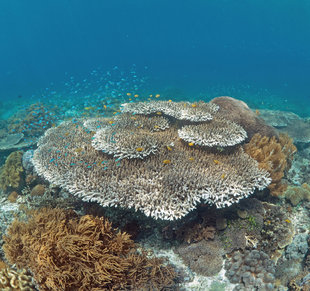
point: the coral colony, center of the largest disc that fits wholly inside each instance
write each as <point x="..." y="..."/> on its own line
<point x="160" y="157"/>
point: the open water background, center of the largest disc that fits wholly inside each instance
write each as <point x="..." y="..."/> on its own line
<point x="255" y="50"/>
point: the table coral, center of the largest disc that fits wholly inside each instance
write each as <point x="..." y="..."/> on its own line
<point x="125" y="163"/>
<point x="12" y="171"/>
<point x="68" y="252"/>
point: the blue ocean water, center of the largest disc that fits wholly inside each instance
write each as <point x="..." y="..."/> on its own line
<point x="258" y="51"/>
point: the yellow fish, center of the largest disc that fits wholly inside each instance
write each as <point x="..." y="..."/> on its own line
<point x="166" y="162"/>
<point x="190" y="144"/>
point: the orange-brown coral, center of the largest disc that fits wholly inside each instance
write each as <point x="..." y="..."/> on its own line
<point x="68" y="252"/>
<point x="12" y="172"/>
<point x="274" y="155"/>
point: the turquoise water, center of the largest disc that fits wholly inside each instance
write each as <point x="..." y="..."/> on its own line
<point x="254" y="50"/>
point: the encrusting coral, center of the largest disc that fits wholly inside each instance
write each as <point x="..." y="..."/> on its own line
<point x="68" y="252"/>
<point x="274" y="155"/>
<point x="125" y="163"/>
<point x="11" y="173"/>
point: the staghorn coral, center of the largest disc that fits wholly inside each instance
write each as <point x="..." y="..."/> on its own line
<point x="158" y="173"/>
<point x="11" y="280"/>
<point x="219" y="132"/>
<point x="274" y="155"/>
<point x="12" y="171"/>
<point x="67" y="252"/>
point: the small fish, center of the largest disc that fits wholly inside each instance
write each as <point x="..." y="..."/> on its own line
<point x="191" y="159"/>
<point x="257" y="112"/>
<point x="169" y="148"/>
<point x="287" y="220"/>
<point x="191" y="144"/>
<point x="166" y="162"/>
<point x="216" y="162"/>
<point x="158" y="113"/>
<point x="223" y="176"/>
<point x="139" y="149"/>
<point x="194" y="105"/>
<point x="136" y="95"/>
<point x="170" y="100"/>
<point x="157" y="95"/>
<point x="128" y="94"/>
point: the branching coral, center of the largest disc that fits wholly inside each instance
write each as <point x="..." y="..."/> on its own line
<point x="153" y="171"/>
<point x="274" y="156"/>
<point x="67" y="252"/>
<point x="12" y="171"/>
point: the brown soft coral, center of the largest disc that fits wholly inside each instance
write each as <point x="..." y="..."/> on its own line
<point x="68" y="252"/>
<point x="12" y="171"/>
<point x="274" y="155"/>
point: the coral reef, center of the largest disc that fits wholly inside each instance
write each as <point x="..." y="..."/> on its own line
<point x="67" y="252"/>
<point x="33" y="120"/>
<point x="11" y="280"/>
<point x="152" y="171"/>
<point x="274" y="155"/>
<point x="296" y="194"/>
<point x="12" y="171"/>
<point x="238" y="112"/>
<point x="251" y="270"/>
